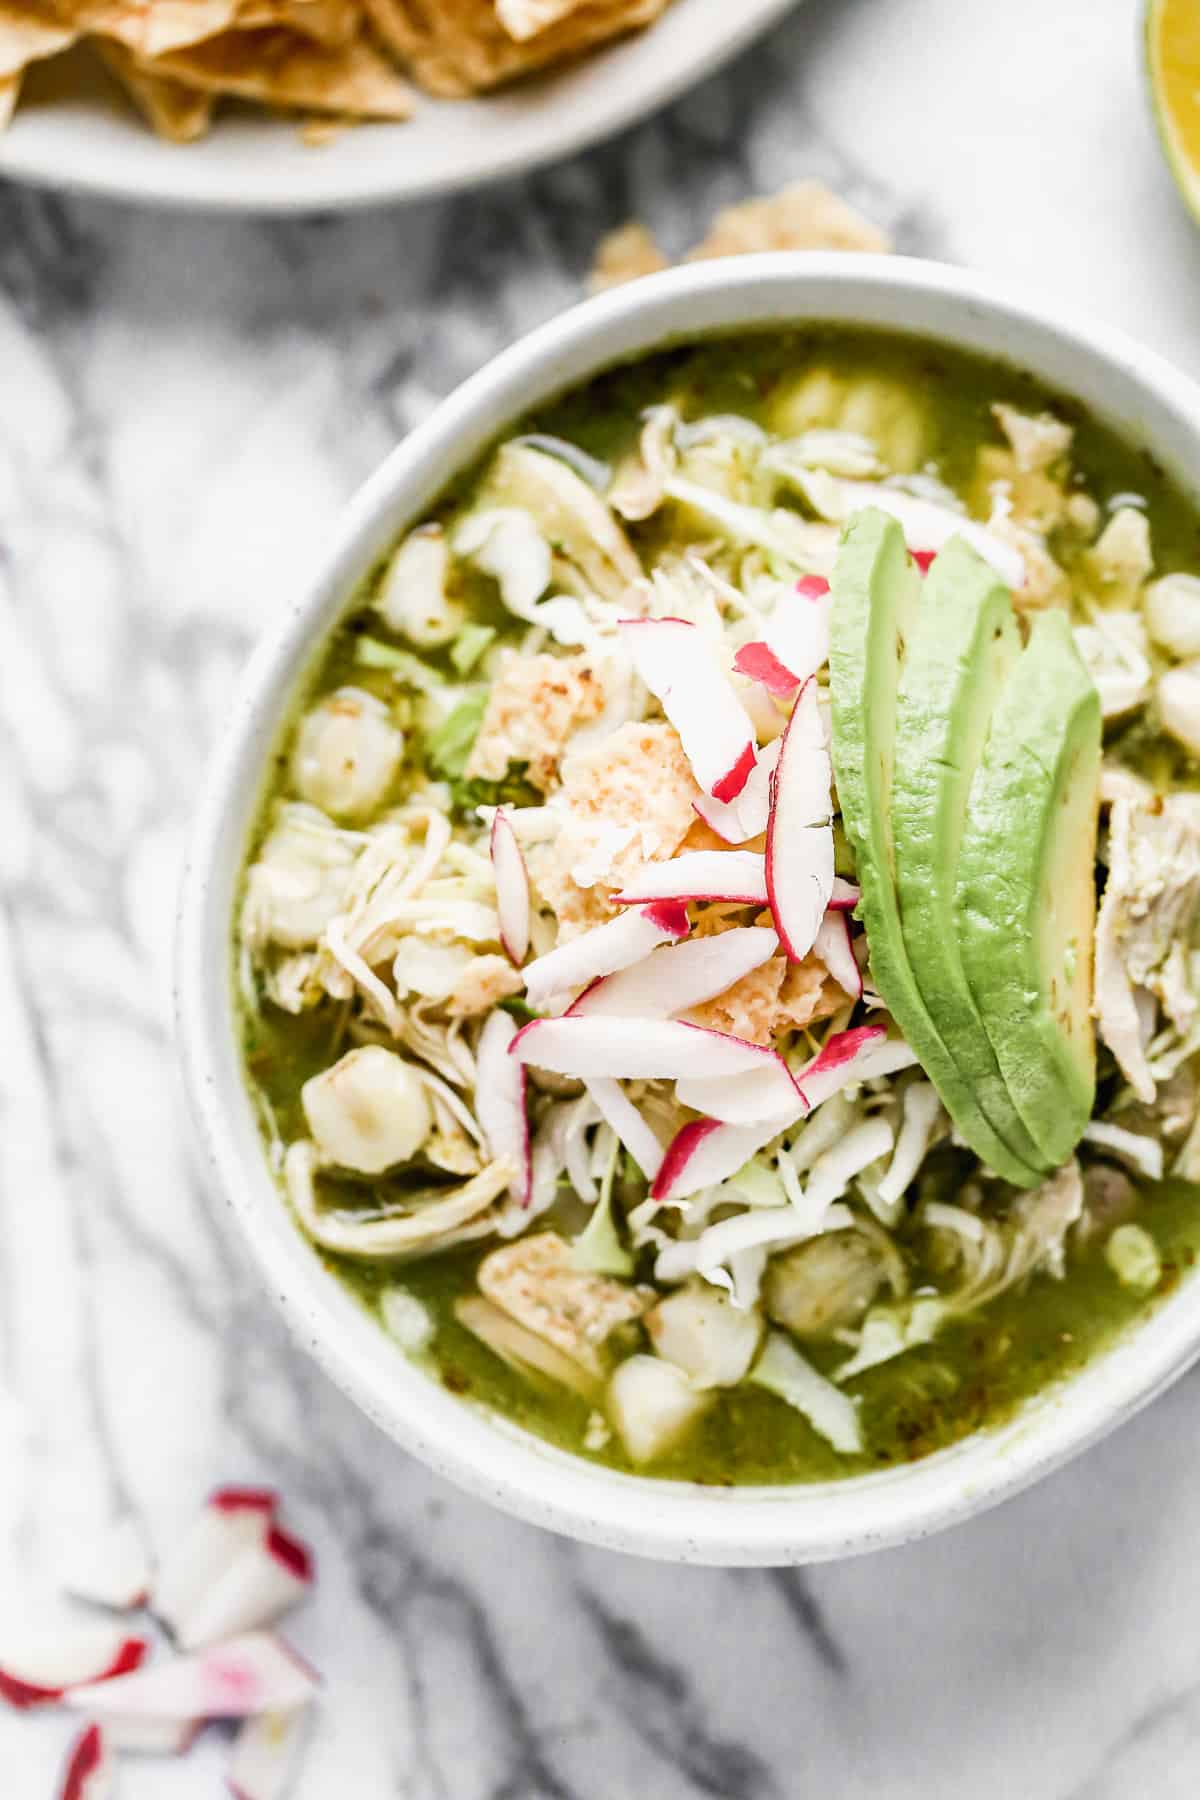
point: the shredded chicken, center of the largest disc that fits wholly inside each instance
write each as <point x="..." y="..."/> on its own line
<point x="1143" y="935"/>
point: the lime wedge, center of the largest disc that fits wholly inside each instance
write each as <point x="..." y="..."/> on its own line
<point x="1173" y="68"/>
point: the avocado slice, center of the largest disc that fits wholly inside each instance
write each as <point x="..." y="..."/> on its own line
<point x="962" y="647"/>
<point x="1025" y="904"/>
<point x="876" y="594"/>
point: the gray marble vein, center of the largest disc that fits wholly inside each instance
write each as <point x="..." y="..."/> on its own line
<point x="185" y="404"/>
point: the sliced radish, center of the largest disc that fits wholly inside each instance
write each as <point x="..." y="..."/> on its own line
<point x="46" y="1664"/>
<point x="923" y="558"/>
<point x="108" y="1568"/>
<point x="763" y="1093"/>
<point x="512" y="887"/>
<point x="928" y="526"/>
<point x="617" y="1109"/>
<point x="834" y="946"/>
<point x="90" y="1773"/>
<point x="737" y="875"/>
<point x="843" y="896"/>
<point x="680" y="667"/>
<point x="743" y="818"/>
<point x="232" y="1519"/>
<point x="679" y="976"/>
<point x="265" y="1753"/>
<point x="706" y="1152"/>
<point x="634" y="1049"/>
<point x="252" y="1674"/>
<point x="264" y="1582"/>
<point x="799" y="860"/>
<point x="795" y="640"/>
<point x="500" y="1099"/>
<point x="604" y="949"/>
<point x="850" y="1057"/>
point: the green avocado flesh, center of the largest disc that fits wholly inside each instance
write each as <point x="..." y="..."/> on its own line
<point x="1026" y="897"/>
<point x="963" y="646"/>
<point x="876" y="599"/>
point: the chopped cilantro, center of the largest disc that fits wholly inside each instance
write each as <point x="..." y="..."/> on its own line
<point x="449" y="746"/>
<point x="511" y="790"/>
<point x="469" y="646"/>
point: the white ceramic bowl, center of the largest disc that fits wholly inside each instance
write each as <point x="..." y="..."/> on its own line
<point x="1128" y="386"/>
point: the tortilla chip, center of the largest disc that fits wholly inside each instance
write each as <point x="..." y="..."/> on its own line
<point x="152" y="28"/>
<point x="285" y="69"/>
<point x="29" y="31"/>
<point x="806" y="216"/>
<point x="459" y="47"/>
<point x="625" y="254"/>
<point x="10" y="89"/>
<point x="525" y="18"/>
<point x="177" y="112"/>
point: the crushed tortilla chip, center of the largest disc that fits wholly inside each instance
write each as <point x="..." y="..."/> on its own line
<point x="805" y="216"/>
<point x="29" y="31"/>
<point x="284" y="69"/>
<point x="461" y="47"/>
<point x="523" y="19"/>
<point x="178" y="112"/>
<point x="10" y="90"/>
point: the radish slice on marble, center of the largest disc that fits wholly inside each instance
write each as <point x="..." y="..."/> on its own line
<point x="90" y="1773"/>
<point x="633" y="1133"/>
<point x="834" y="946"/>
<point x="737" y="875"/>
<point x="251" y="1674"/>
<point x="634" y="1049"/>
<point x="767" y="1092"/>
<point x="152" y="1737"/>
<point x="850" y="1057"/>
<point x="266" y="1580"/>
<point x="108" y="1568"/>
<point x="47" y="1664"/>
<point x="799" y="859"/>
<point x="706" y="1152"/>
<point x="265" y="1753"/>
<point x="233" y="1519"/>
<point x="795" y="640"/>
<point x="512" y="887"/>
<point x="746" y="817"/>
<point x="843" y="896"/>
<point x="679" y="976"/>
<point x="500" y="1100"/>
<point x="604" y="949"/>
<point x="680" y="667"/>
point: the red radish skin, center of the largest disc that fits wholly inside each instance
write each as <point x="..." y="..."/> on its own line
<point x="799" y="858"/>
<point x="251" y="1674"/>
<point x="263" y="1582"/>
<point x="680" y="1151"/>
<point x="747" y="816"/>
<point x="635" y="1049"/>
<point x="734" y="875"/>
<point x="844" y="896"/>
<point x="850" y="1057"/>
<point x="512" y="888"/>
<point x="245" y="1499"/>
<point x="297" y="1558"/>
<point x="812" y="587"/>
<point x="129" y="1655"/>
<point x="731" y="785"/>
<point x="681" y="669"/>
<point x="89" y="1774"/>
<point x="670" y="916"/>
<point x="923" y="558"/>
<point x="758" y="662"/>
<point x="603" y="950"/>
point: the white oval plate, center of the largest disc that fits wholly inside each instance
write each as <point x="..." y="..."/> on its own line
<point x="74" y="130"/>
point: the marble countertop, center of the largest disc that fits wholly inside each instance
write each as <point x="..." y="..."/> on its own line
<point x="184" y="405"/>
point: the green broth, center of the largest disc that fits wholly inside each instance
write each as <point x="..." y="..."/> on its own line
<point x="978" y="1372"/>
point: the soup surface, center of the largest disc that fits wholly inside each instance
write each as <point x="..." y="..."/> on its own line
<point x="716" y="957"/>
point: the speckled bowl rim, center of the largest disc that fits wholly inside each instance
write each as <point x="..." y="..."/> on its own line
<point x="1130" y="386"/>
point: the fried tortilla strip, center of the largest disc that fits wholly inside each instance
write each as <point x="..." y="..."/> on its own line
<point x="10" y="89"/>
<point x="177" y="112"/>
<point x="283" y="69"/>
<point x="624" y="254"/>
<point x="460" y="47"/>
<point x="29" y="31"/>
<point x="153" y="28"/>
<point x="523" y="19"/>
<point x="805" y="216"/>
